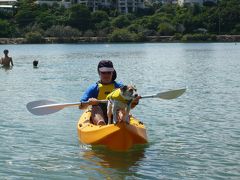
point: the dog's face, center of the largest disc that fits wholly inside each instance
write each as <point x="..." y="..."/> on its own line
<point x="129" y="92"/>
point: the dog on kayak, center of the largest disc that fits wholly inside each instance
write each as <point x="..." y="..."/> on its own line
<point x="120" y="100"/>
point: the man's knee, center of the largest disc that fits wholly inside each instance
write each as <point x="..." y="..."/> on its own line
<point x="98" y="120"/>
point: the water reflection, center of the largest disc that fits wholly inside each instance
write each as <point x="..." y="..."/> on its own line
<point x="6" y="68"/>
<point x="105" y="158"/>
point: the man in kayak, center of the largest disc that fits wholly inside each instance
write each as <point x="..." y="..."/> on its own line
<point x="6" y="60"/>
<point x="99" y="91"/>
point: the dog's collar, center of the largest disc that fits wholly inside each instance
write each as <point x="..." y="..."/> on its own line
<point x="117" y="96"/>
<point x="129" y="102"/>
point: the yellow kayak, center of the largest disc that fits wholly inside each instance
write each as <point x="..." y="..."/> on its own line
<point x="119" y="137"/>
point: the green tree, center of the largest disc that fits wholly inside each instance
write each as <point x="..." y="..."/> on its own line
<point x="99" y="16"/>
<point x="164" y="19"/>
<point x="5" y="29"/>
<point x="121" y="21"/>
<point x="79" y="17"/>
<point x="46" y="19"/>
<point x="184" y="16"/>
<point x="26" y="13"/>
<point x="210" y="19"/>
<point x="229" y="14"/>
<point x="236" y="30"/>
<point x="155" y="20"/>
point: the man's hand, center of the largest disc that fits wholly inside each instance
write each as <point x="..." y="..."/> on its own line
<point x="93" y="101"/>
<point x="135" y="101"/>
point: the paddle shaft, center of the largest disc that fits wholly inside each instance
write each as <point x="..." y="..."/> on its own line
<point x="149" y="96"/>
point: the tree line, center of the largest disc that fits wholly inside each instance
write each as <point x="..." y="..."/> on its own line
<point x="34" y="22"/>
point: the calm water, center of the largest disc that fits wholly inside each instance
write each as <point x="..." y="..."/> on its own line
<point x="196" y="136"/>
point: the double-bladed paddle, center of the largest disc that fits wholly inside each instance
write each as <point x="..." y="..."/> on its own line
<point x="44" y="107"/>
<point x="167" y="95"/>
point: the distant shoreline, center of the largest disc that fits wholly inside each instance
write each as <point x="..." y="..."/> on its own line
<point x="150" y="39"/>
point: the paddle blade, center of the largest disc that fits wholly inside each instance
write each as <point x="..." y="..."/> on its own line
<point x="33" y="107"/>
<point x="171" y="94"/>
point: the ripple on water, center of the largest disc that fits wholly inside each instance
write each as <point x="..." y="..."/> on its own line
<point x="195" y="136"/>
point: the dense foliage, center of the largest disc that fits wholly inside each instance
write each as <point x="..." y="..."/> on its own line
<point x="34" y="22"/>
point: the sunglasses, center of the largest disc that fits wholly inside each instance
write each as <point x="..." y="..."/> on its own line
<point x="106" y="72"/>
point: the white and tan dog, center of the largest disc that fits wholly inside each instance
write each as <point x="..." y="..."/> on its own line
<point x="120" y="100"/>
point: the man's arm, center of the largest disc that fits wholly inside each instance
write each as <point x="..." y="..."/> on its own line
<point x="91" y="101"/>
<point x="135" y="102"/>
<point x="11" y="61"/>
<point x="88" y="97"/>
<point x="83" y="105"/>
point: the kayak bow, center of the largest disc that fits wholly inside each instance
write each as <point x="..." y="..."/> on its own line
<point x="119" y="137"/>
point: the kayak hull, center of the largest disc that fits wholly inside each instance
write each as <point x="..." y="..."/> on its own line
<point x="119" y="137"/>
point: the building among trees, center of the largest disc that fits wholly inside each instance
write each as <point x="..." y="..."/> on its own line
<point x="190" y="2"/>
<point x="122" y="6"/>
<point x="7" y="5"/>
<point x="185" y="2"/>
<point x="64" y="3"/>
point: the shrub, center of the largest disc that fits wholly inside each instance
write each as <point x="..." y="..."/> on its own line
<point x="149" y="32"/>
<point x="103" y="32"/>
<point x="102" y="25"/>
<point x="62" y="31"/>
<point x="33" y="28"/>
<point x="198" y="37"/>
<point x="34" y="37"/>
<point x="166" y="29"/>
<point x="136" y="28"/>
<point x="89" y="33"/>
<point x="123" y="35"/>
<point x="177" y="36"/>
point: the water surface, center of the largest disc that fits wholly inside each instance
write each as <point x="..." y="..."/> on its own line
<point x="193" y="137"/>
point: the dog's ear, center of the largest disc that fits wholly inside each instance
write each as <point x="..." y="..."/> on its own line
<point x="134" y="87"/>
<point x="123" y="88"/>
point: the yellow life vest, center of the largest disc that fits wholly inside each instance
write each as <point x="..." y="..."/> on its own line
<point x="104" y="90"/>
<point x="116" y="95"/>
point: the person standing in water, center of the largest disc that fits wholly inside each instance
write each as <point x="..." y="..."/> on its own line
<point x="6" y="61"/>
<point x="35" y="63"/>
